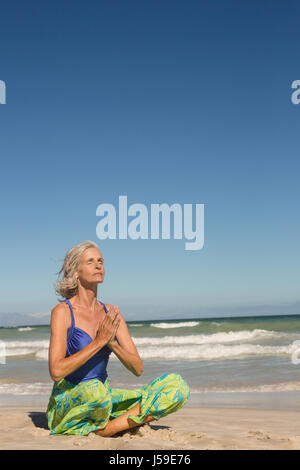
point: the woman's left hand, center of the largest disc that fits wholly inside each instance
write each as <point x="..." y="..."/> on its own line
<point x="123" y="346"/>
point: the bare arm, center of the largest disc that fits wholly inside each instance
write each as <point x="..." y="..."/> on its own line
<point x="125" y="349"/>
<point x="61" y="366"/>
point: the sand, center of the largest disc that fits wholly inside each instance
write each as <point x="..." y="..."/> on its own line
<point x="25" y="428"/>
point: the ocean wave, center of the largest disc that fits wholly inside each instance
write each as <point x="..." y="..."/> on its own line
<point x="45" y="388"/>
<point x="24" y="348"/>
<point x="211" y="352"/>
<point x="230" y="336"/>
<point x="40" y="348"/>
<point x="175" y="325"/>
<point x="36" y="388"/>
<point x="189" y="347"/>
<point x="26" y="328"/>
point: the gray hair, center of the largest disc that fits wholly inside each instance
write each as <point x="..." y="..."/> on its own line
<point x="67" y="286"/>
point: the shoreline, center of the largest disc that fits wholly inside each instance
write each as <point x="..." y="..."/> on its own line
<point x="190" y="428"/>
<point x="264" y="401"/>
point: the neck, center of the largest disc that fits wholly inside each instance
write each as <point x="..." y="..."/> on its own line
<point x="86" y="297"/>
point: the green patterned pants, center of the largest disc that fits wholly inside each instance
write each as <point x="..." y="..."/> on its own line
<point x="88" y="406"/>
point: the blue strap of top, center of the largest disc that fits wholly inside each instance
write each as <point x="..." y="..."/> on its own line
<point x="70" y="330"/>
<point x="72" y="315"/>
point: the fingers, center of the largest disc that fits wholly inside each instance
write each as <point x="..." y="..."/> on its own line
<point x="113" y="326"/>
<point x="113" y="308"/>
<point x="112" y="319"/>
<point x="114" y="312"/>
<point x="116" y="320"/>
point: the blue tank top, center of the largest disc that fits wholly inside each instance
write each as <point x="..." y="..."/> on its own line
<point x="95" y="367"/>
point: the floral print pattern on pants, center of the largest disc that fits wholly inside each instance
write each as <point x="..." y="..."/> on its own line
<point x="88" y="406"/>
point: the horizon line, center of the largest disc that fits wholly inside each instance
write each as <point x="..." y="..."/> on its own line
<point x="176" y="319"/>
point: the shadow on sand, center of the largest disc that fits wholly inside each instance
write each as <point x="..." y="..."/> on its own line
<point x="39" y="419"/>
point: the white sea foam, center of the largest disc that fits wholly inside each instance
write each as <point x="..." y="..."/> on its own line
<point x="175" y="325"/>
<point x="40" y="348"/>
<point x="230" y="336"/>
<point x="44" y="388"/>
<point x="23" y="348"/>
<point x="36" y="388"/>
<point x="233" y="344"/>
<point x="26" y="328"/>
<point x="210" y="352"/>
<point x="190" y="347"/>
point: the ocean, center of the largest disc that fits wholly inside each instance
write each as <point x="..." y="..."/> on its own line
<point x="239" y="362"/>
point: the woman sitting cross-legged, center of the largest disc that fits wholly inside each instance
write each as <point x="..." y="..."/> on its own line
<point x="84" y="332"/>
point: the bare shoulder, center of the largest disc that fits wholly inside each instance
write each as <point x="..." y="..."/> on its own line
<point x="59" y="309"/>
<point x="60" y="315"/>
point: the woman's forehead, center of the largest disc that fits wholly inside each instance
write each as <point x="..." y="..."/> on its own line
<point x="91" y="253"/>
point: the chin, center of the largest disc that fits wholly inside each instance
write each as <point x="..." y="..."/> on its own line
<point x="97" y="281"/>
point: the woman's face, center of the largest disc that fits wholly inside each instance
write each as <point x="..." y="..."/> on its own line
<point x="91" y="267"/>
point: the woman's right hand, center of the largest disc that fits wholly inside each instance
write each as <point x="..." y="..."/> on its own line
<point x="108" y="328"/>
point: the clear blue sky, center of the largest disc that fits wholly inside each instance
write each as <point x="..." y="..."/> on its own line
<point x="165" y="102"/>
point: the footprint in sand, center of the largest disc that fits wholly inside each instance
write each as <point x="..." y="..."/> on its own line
<point x="259" y="435"/>
<point x="146" y="431"/>
<point x="196" y="435"/>
<point x="38" y="432"/>
<point x="168" y="434"/>
<point x="78" y="443"/>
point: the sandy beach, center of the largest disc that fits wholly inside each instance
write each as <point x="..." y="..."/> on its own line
<point x="244" y="387"/>
<point x="25" y="428"/>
